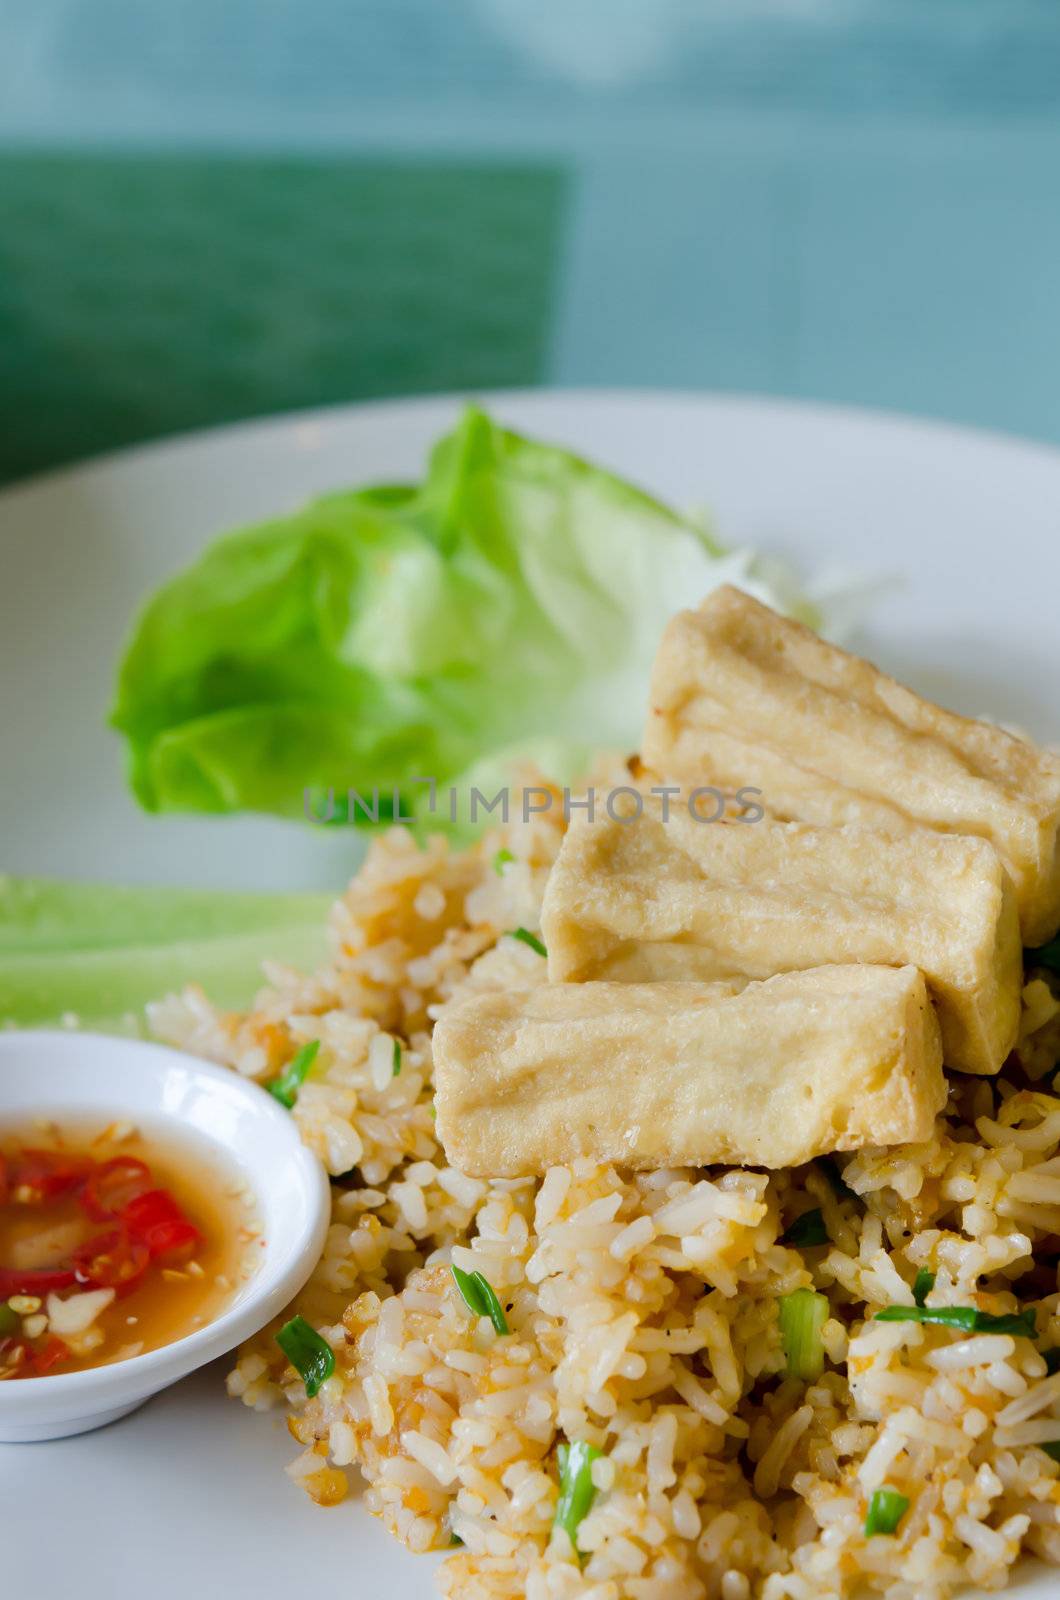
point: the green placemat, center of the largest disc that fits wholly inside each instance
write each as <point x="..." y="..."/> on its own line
<point x="144" y="294"/>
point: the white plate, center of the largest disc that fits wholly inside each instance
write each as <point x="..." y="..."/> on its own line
<point x="190" y="1492"/>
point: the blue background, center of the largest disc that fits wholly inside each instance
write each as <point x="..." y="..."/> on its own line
<point x="221" y="207"/>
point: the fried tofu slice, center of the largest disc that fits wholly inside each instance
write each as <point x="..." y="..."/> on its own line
<point x="651" y="1075"/>
<point x="742" y="697"/>
<point x="662" y="896"/>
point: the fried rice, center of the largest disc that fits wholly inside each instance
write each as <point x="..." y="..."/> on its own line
<point x="643" y="1308"/>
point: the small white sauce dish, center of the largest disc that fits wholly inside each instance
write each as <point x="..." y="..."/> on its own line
<point x="93" y="1078"/>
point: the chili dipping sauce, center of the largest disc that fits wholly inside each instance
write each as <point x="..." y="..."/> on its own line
<point x="113" y="1241"/>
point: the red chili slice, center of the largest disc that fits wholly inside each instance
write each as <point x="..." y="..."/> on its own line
<point x="170" y="1241"/>
<point x="36" y="1280"/>
<point x="112" y="1260"/>
<point x="48" y="1173"/>
<point x="53" y="1353"/>
<point x="112" y="1185"/>
<point x="156" y="1218"/>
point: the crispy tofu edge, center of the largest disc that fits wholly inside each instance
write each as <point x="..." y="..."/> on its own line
<point x="897" y="1113"/>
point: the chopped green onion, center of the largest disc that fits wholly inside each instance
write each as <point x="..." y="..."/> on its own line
<point x="1052" y="1449"/>
<point x="1052" y="1360"/>
<point x="923" y="1284"/>
<point x="830" y="1167"/>
<point x="494" y="1309"/>
<point x="807" y="1230"/>
<point x="397" y="1058"/>
<point x="1046" y="955"/>
<point x="531" y="939"/>
<point x="967" y="1318"/>
<point x="9" y="1320"/>
<point x="310" y="1355"/>
<point x="285" y="1088"/>
<point x="802" y="1316"/>
<point x="478" y="1296"/>
<point x="886" y="1510"/>
<point x="576" y="1488"/>
<point x="454" y="1538"/>
<point x="501" y="860"/>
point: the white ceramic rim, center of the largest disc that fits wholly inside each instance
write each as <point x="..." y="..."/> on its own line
<point x="444" y="405"/>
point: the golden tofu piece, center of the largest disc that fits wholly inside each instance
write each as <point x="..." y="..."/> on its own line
<point x="663" y="896"/>
<point x="686" y="1074"/>
<point x="742" y="697"/>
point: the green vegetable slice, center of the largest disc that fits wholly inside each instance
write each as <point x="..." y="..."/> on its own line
<point x="477" y="1294"/>
<point x="100" y="953"/>
<point x="502" y="859"/>
<point x="1052" y="1449"/>
<point x="969" y="1319"/>
<point x="886" y="1510"/>
<point x="310" y="1355"/>
<point x="9" y="1320"/>
<point x="526" y="937"/>
<point x="285" y="1088"/>
<point x="807" y="1230"/>
<point x="802" y="1316"/>
<point x="576" y="1488"/>
<point x="397" y="1059"/>
<point x="923" y="1284"/>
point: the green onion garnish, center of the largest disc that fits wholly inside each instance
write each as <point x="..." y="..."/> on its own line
<point x="802" y="1316"/>
<point x="886" y="1510"/>
<point x="1052" y="1360"/>
<point x="9" y="1320"/>
<point x="286" y="1086"/>
<point x="478" y="1296"/>
<point x="531" y="939"/>
<point x="501" y="860"/>
<point x="1046" y="955"/>
<point x="310" y="1355"/>
<point x="576" y="1488"/>
<point x="923" y="1284"/>
<point x="454" y="1538"/>
<point x="807" y="1230"/>
<point x="967" y="1318"/>
<point x="1052" y="1449"/>
<point x="397" y="1058"/>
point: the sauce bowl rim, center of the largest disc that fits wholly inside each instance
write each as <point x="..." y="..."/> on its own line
<point x="276" y="1280"/>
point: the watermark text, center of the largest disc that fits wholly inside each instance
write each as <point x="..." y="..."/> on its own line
<point x="622" y="804"/>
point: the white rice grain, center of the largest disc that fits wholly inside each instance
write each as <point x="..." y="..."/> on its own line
<point x="787" y="1436"/>
<point x="430" y="1455"/>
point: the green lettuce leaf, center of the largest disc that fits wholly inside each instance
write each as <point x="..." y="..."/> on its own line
<point x="100" y="953"/>
<point x="514" y="599"/>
